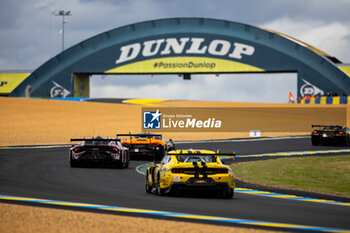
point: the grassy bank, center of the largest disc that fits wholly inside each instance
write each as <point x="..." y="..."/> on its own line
<point x="327" y="175"/>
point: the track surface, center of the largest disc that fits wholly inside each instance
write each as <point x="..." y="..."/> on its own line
<point x="45" y="173"/>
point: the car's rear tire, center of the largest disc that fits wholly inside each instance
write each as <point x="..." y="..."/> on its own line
<point x="126" y="164"/>
<point x="347" y="140"/>
<point x="228" y="193"/>
<point x="73" y="163"/>
<point x="315" y="142"/>
<point x="148" y="188"/>
<point x="127" y="159"/>
<point x="117" y="164"/>
<point x="176" y="191"/>
<point x="160" y="191"/>
<point x="159" y="153"/>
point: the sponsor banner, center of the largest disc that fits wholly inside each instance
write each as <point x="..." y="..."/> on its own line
<point x="188" y="53"/>
<point x="345" y="69"/>
<point x="239" y="119"/>
<point x="58" y="91"/>
<point x="185" y="65"/>
<point x="9" y="81"/>
<point x="308" y="89"/>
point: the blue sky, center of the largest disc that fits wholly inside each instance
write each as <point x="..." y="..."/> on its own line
<point x="29" y="35"/>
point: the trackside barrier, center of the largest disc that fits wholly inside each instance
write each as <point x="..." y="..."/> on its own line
<point x="325" y="100"/>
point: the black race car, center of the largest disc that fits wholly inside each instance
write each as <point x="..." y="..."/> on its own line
<point x="98" y="150"/>
<point x="330" y="135"/>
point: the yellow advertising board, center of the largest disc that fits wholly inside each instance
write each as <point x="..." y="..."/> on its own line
<point x="345" y="69"/>
<point x="185" y="65"/>
<point x="9" y="81"/>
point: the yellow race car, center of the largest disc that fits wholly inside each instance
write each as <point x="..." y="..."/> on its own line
<point x="182" y="170"/>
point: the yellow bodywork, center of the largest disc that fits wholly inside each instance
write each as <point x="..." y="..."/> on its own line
<point x="143" y="141"/>
<point x="162" y="175"/>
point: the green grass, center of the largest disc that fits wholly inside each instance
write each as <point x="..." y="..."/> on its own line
<point x="327" y="175"/>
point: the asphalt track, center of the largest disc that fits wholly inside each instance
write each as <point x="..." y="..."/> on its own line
<point x="45" y="173"/>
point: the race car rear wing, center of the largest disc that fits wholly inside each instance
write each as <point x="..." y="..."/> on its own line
<point x="228" y="160"/>
<point x="314" y="126"/>
<point x="208" y="154"/>
<point x="95" y="139"/>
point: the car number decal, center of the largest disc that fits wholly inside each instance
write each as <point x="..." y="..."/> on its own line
<point x="176" y="178"/>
